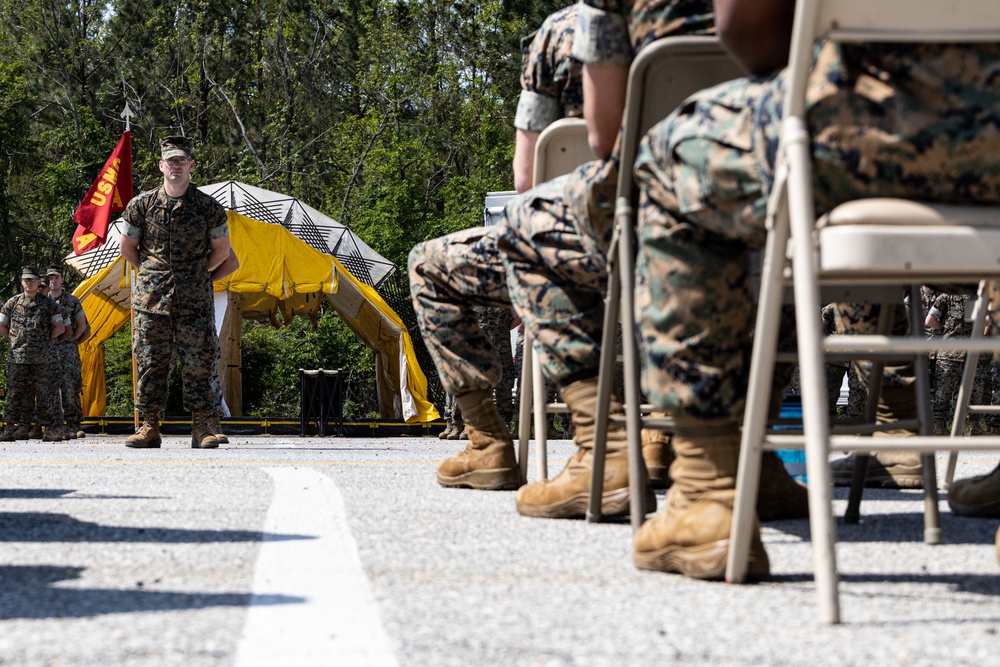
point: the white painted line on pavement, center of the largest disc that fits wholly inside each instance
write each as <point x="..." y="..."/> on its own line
<point x="338" y="623"/>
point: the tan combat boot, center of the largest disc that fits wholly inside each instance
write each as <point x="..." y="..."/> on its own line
<point x="658" y="454"/>
<point x="780" y="496"/>
<point x="202" y="431"/>
<point x="488" y="461"/>
<point x="889" y="469"/>
<point x="7" y="435"/>
<point x="52" y="433"/>
<point x="691" y="536"/>
<point x="22" y="432"/>
<point x="148" y="435"/>
<point x="976" y="496"/>
<point x="77" y="429"/>
<point x="216" y="428"/>
<point x="36" y="432"/>
<point x="567" y="495"/>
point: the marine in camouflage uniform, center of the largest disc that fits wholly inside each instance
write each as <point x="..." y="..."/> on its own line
<point x="949" y="311"/>
<point x="910" y="121"/>
<point x="31" y="321"/>
<point x="555" y="243"/>
<point x="68" y="355"/>
<point x="177" y="241"/>
<point x="454" y="275"/>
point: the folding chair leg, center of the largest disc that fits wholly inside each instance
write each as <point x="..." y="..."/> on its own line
<point x="852" y="514"/>
<point x="932" y="514"/>
<point x="633" y="394"/>
<point x="963" y="399"/>
<point x="605" y="380"/>
<point x="525" y="394"/>
<point x="541" y="435"/>
<point x="765" y="345"/>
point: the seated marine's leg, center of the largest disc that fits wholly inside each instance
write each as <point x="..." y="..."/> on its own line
<point x="448" y="277"/>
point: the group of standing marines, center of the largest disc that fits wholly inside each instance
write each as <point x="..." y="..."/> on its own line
<point x="177" y="239"/>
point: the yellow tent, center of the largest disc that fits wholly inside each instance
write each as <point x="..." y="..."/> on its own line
<point x="279" y="275"/>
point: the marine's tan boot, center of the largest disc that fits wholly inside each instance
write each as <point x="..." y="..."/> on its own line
<point x="216" y="428"/>
<point x="202" y="431"/>
<point x="691" y="536"/>
<point x="488" y="461"/>
<point x="889" y="469"/>
<point x="567" y="495"/>
<point x="7" y="435"/>
<point x="457" y="428"/>
<point x="35" y="433"/>
<point x="148" y="435"/>
<point x="448" y="430"/>
<point x="658" y="454"/>
<point x="780" y="496"/>
<point x="22" y="432"/>
<point x="976" y="496"/>
<point x="78" y="429"/>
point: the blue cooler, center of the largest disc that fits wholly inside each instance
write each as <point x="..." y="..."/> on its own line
<point x="794" y="459"/>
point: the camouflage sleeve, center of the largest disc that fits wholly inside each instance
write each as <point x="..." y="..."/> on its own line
<point x="134" y="220"/>
<point x="78" y="312"/>
<point x="5" y="312"/>
<point x="602" y="33"/>
<point x="218" y="226"/>
<point x="550" y="78"/>
<point x="58" y="313"/>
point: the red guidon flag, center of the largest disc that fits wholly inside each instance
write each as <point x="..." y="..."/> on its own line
<point x="109" y="194"/>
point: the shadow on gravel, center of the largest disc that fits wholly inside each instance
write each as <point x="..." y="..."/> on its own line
<point x="981" y="584"/>
<point x="45" y="527"/>
<point x="27" y="592"/>
<point x="900" y="527"/>
<point x="62" y="493"/>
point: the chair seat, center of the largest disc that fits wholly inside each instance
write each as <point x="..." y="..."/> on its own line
<point x="894" y="238"/>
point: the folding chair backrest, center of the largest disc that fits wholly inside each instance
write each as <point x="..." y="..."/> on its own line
<point x="561" y="148"/>
<point x="663" y="75"/>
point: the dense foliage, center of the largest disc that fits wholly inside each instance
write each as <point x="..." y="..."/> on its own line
<point x="392" y="116"/>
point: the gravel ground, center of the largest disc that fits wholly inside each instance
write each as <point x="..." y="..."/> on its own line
<point x="110" y="556"/>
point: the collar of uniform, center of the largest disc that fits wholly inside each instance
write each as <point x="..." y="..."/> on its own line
<point x="163" y="198"/>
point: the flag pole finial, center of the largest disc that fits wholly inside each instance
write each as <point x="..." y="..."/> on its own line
<point x="127" y="114"/>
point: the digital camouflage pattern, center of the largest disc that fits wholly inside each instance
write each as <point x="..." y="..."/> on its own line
<point x="191" y="337"/>
<point x="495" y="323"/>
<point x="556" y="235"/>
<point x="452" y="273"/>
<point x="449" y="276"/>
<point x="172" y="298"/>
<point x="948" y="366"/>
<point x="913" y="122"/>
<point x="67" y="357"/>
<point x="551" y="79"/>
<point x="174" y="237"/>
<point x="30" y="358"/>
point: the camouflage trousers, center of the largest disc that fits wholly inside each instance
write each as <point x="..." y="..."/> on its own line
<point x="554" y="242"/>
<point x="71" y="386"/>
<point x="156" y="340"/>
<point x="495" y="323"/>
<point x="26" y="384"/>
<point x="449" y="277"/>
<point x="947" y="370"/>
<point x="986" y="388"/>
<point x="704" y="175"/>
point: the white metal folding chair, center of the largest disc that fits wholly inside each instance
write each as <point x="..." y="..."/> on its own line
<point x="867" y="242"/>
<point x="662" y="76"/>
<point x="561" y="148"/>
<point x="963" y="402"/>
